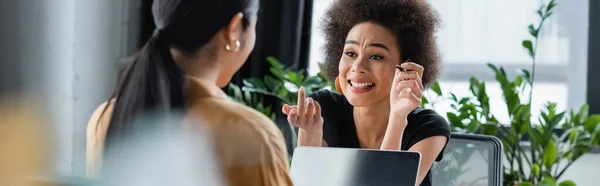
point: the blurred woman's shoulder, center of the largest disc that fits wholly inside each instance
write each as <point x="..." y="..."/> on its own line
<point x="249" y="144"/>
<point x="96" y="132"/>
<point x="230" y="115"/>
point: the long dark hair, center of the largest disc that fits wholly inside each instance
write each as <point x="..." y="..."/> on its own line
<point x="152" y="81"/>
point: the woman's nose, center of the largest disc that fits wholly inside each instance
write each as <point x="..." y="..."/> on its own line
<point x="358" y="66"/>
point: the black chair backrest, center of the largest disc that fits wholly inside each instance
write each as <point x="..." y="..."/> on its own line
<point x="470" y="159"/>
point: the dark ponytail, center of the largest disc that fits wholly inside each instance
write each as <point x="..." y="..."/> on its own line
<point x="152" y="82"/>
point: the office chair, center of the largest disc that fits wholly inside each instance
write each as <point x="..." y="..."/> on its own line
<point x="470" y="160"/>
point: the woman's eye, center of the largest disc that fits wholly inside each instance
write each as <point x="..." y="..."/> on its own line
<point x="351" y="54"/>
<point x="376" y="57"/>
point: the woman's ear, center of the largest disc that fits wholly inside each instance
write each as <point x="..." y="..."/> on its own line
<point x="233" y="32"/>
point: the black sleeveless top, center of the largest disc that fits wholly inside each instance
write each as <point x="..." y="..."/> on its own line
<point x="339" y="129"/>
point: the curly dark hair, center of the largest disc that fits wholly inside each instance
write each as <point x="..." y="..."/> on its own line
<point x="414" y="23"/>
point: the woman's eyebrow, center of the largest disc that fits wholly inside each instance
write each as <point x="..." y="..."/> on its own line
<point x="380" y="45"/>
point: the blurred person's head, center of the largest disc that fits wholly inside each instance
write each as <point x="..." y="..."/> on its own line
<point x="204" y="39"/>
<point x="366" y="39"/>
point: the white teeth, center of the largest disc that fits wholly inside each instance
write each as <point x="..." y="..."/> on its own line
<point x="361" y="85"/>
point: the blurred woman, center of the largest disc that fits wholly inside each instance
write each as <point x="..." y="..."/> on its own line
<point x="196" y="49"/>
<point x="381" y="53"/>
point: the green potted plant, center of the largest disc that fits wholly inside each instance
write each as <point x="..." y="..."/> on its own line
<point x="548" y="150"/>
<point x="283" y="85"/>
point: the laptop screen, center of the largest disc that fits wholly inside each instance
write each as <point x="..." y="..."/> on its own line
<point x="329" y="166"/>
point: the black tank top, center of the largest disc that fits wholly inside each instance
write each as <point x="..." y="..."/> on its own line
<point x="339" y="129"/>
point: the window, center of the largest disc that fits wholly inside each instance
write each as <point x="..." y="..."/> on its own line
<point x="316" y="38"/>
<point x="475" y="32"/>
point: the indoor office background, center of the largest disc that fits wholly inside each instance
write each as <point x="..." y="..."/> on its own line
<point x="64" y="55"/>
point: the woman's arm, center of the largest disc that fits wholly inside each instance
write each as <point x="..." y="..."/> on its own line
<point x="429" y="148"/>
<point x="392" y="140"/>
<point x="314" y="139"/>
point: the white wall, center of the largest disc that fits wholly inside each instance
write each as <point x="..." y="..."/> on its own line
<point x="585" y="171"/>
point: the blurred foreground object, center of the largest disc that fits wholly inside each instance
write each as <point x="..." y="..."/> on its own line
<point x="24" y="143"/>
<point x="161" y="152"/>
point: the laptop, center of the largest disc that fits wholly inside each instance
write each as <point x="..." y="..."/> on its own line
<point x="330" y="166"/>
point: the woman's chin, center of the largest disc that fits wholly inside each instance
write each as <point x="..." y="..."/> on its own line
<point x="359" y="100"/>
<point x="365" y="99"/>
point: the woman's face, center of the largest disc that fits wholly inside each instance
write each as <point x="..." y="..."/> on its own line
<point x="367" y="66"/>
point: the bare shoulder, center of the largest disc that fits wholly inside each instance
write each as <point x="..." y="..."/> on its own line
<point x="100" y="114"/>
<point x="99" y="121"/>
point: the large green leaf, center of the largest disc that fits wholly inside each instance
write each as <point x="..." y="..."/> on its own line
<point x="254" y="83"/>
<point x="424" y="101"/>
<point x="277" y="73"/>
<point x="548" y="181"/>
<point x="550" y="153"/>
<point x="555" y="121"/>
<point x="591" y="122"/>
<point x="567" y="183"/>
<point x="535" y="169"/>
<point x="284" y="94"/>
<point x="313" y="81"/>
<point x="527" y="75"/>
<point x="453" y="97"/>
<point x="526" y="184"/>
<point x="235" y="91"/>
<point x="551" y="5"/>
<point x="272" y="83"/>
<point x="533" y="31"/>
<point x="595" y="139"/>
<point x="570" y="135"/>
<point x="518" y="81"/>
<point x="493" y="67"/>
<point x="529" y="46"/>
<point x="455" y="120"/>
<point x="536" y="137"/>
<point x="248" y="98"/>
<point x="435" y="86"/>
<point x="540" y="11"/>
<point x="489" y="129"/>
<point x="274" y="62"/>
<point x="511" y="97"/>
<point x="584" y="111"/>
<point x="292" y="77"/>
<point x="473" y="126"/>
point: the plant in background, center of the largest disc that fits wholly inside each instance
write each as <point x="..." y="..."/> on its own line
<point x="250" y="99"/>
<point x="282" y="84"/>
<point x="285" y="82"/>
<point x="550" y="154"/>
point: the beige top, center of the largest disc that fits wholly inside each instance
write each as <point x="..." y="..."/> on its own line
<point x="249" y="146"/>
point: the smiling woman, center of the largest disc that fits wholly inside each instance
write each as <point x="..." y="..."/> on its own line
<point x="381" y="53"/>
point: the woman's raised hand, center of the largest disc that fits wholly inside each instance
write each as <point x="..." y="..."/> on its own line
<point x="306" y="115"/>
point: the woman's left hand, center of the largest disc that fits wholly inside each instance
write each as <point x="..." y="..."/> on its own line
<point x="406" y="92"/>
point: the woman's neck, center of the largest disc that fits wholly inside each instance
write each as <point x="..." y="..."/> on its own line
<point x="371" y="123"/>
<point x="206" y="75"/>
<point x="205" y="69"/>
